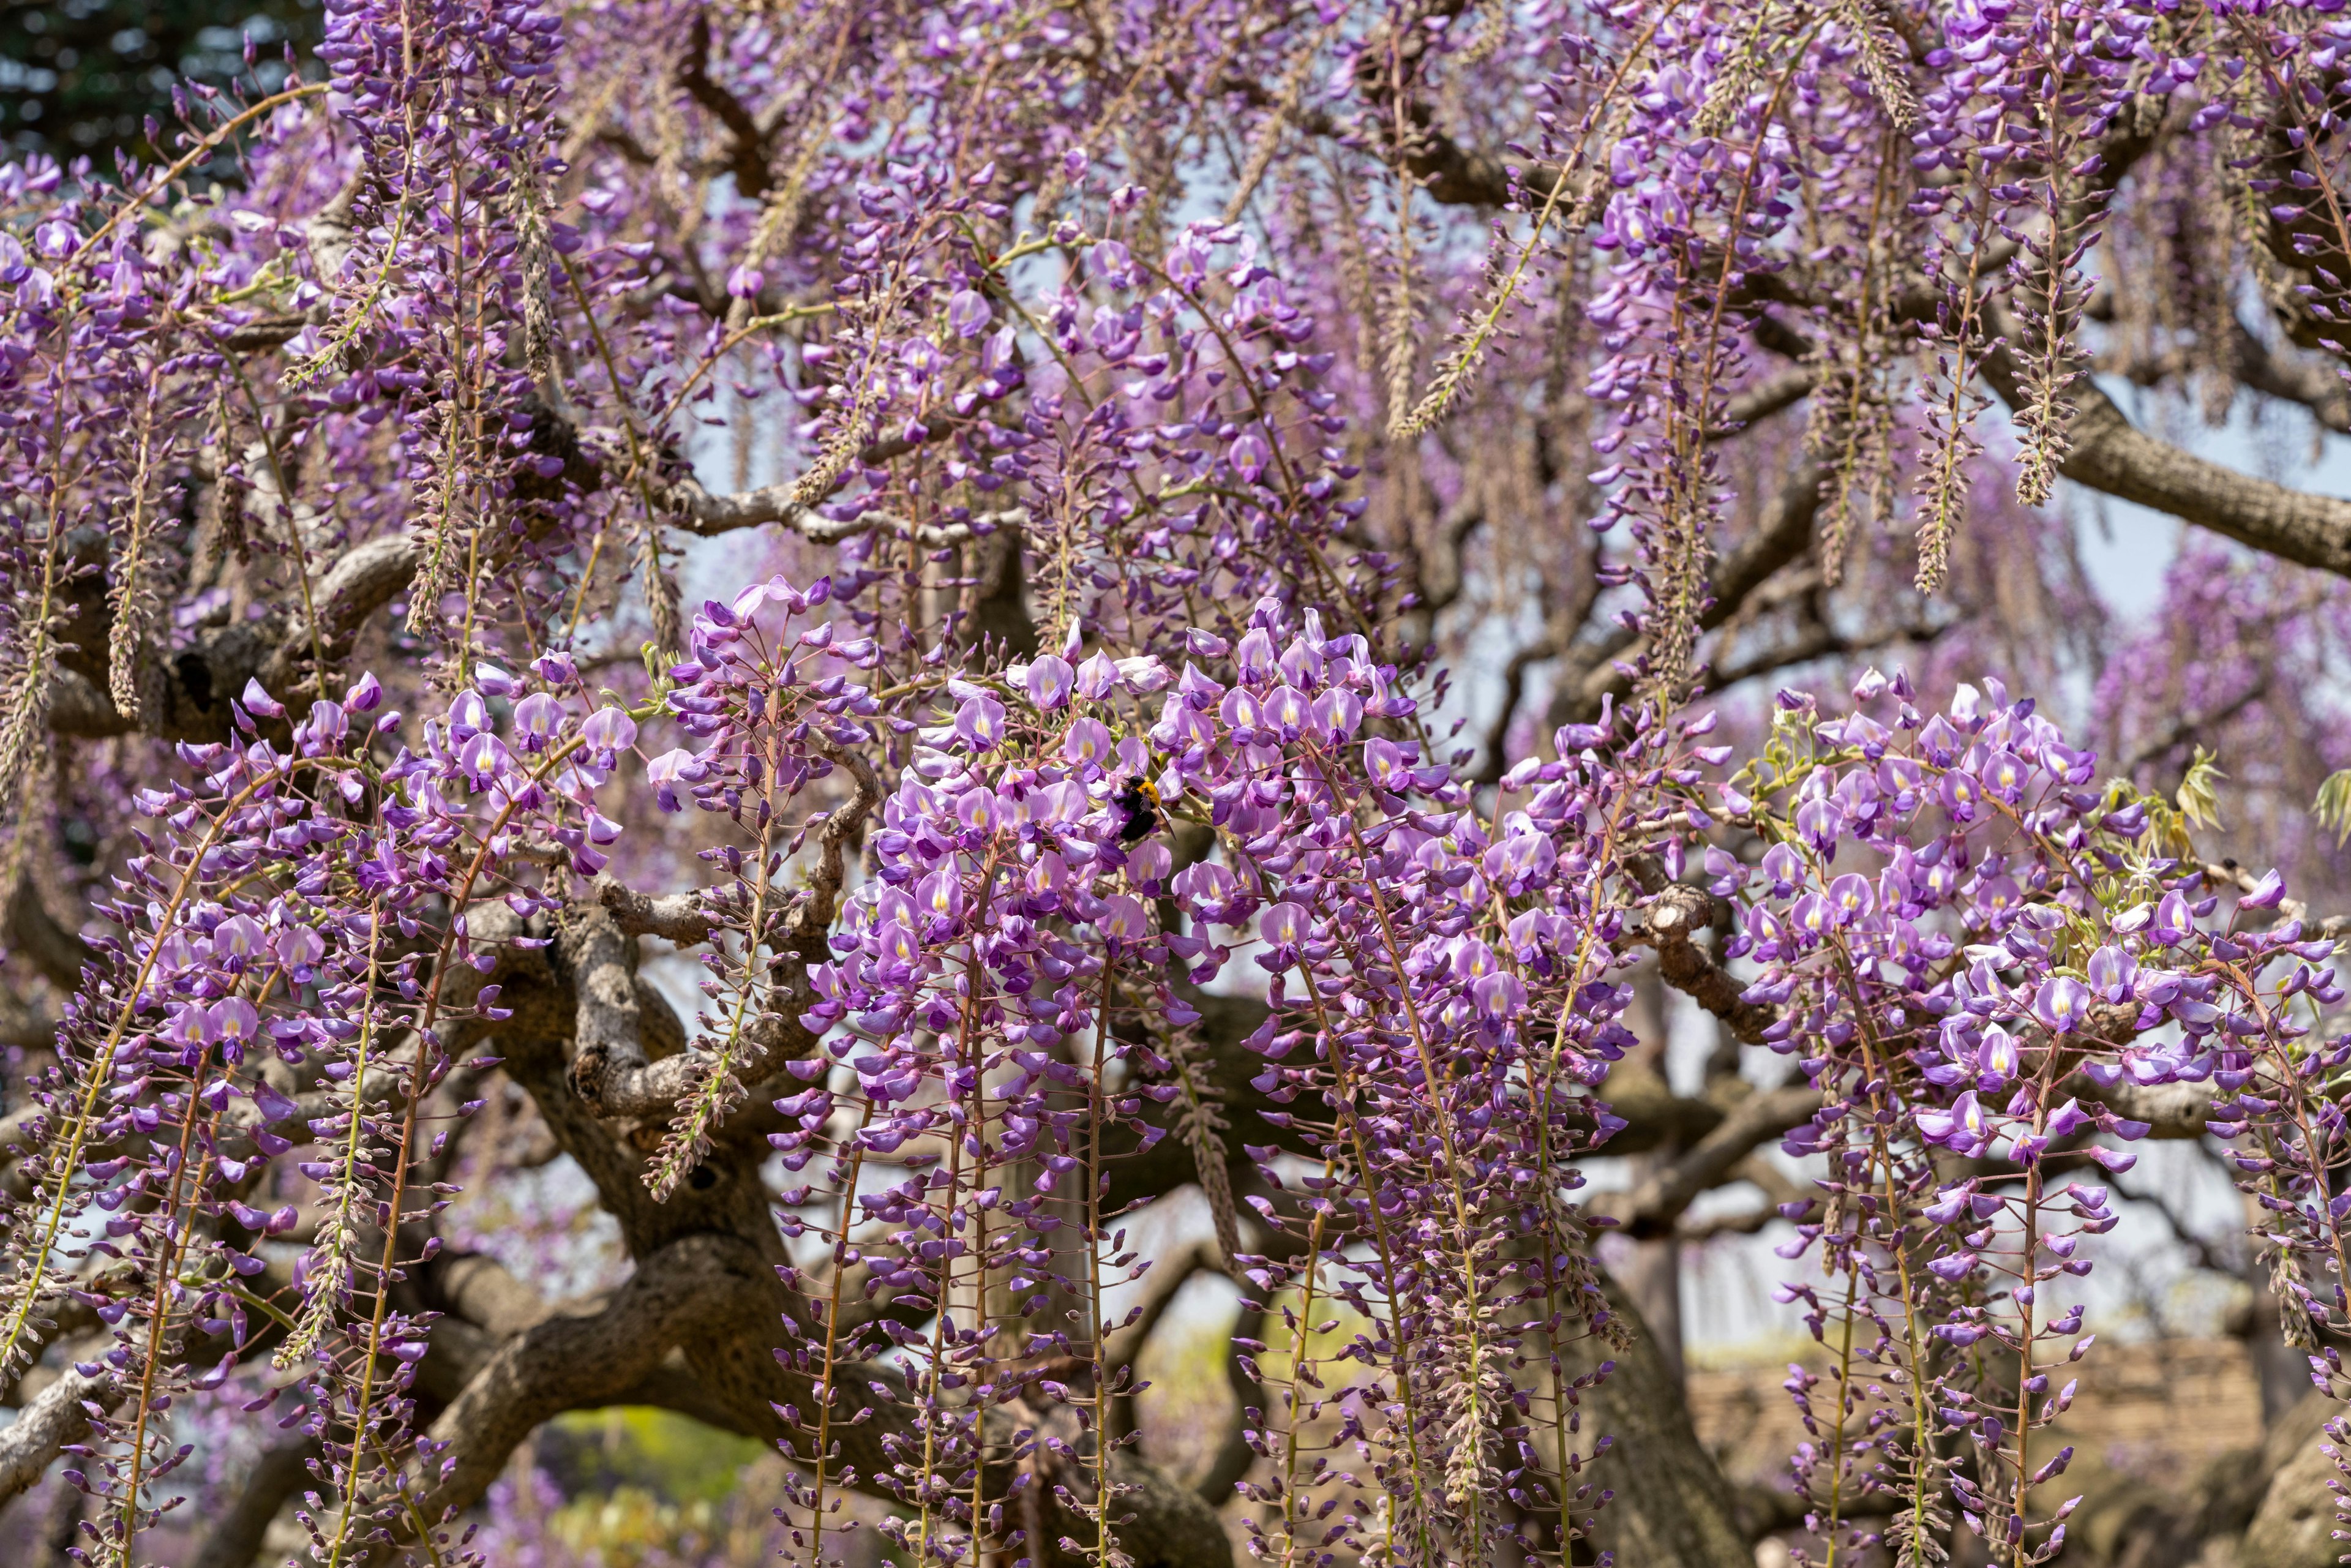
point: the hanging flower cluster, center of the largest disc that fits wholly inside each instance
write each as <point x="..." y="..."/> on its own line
<point x="284" y="987"/>
<point x="437" y="389"/>
<point x="2021" y="952"/>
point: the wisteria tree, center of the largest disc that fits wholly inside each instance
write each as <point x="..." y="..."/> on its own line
<point x="1264" y="578"/>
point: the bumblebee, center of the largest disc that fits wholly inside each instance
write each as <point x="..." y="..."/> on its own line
<point x="1140" y="799"/>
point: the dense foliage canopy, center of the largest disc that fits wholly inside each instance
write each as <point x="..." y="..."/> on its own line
<point x="1121" y="451"/>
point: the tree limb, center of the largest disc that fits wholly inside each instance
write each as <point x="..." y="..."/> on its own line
<point x="746" y="143"/>
<point x="1677" y="910"/>
<point x="2187" y="727"/>
<point x="236" y="1537"/>
<point x="1776" y="1190"/>
<point x="2115" y="457"/>
<point x="1234" y="1455"/>
<point x="58" y="1415"/>
<point x="58" y="954"/>
<point x="682" y="917"/>
<point x="610" y="1070"/>
<point x="1782" y="534"/>
<point x="1787" y="386"/>
<point x="1168" y="1276"/>
<point x="2250" y="363"/>
<point x="565" y="1362"/>
<point x="1650" y="1210"/>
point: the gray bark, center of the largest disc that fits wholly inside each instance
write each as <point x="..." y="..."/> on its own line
<point x="1672" y="1508"/>
<point x="236" y="1537"/>
<point x="58" y="1415"/>
<point x="2295" y="1526"/>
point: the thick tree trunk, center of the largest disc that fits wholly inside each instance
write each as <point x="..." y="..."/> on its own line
<point x="239" y="1530"/>
<point x="2296" y="1524"/>
<point x="1672" y="1508"/>
<point x="61" y="1531"/>
<point x="1652" y="1277"/>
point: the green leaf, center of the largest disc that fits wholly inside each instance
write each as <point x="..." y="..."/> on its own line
<point x="2333" y="807"/>
<point x="2198" y="802"/>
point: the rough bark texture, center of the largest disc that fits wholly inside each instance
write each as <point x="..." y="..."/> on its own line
<point x="56" y="1416"/>
<point x="2112" y="455"/>
<point x="2295" y="1525"/>
<point x="236" y="1535"/>
<point x="1672" y="1508"/>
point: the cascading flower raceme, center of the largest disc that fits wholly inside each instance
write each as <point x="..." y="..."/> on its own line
<point x="2021" y="959"/>
<point x="287" y="985"/>
<point x="1090" y="826"/>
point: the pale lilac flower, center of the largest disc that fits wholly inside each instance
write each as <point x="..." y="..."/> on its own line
<point x="1050" y="681"/>
<point x="979" y="722"/>
<point x="537" y="718"/>
<point x="2173" y="923"/>
<point x="1088" y="744"/>
<point x="967" y="313"/>
<point x="609" y="730"/>
<point x="2063" y="1005"/>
